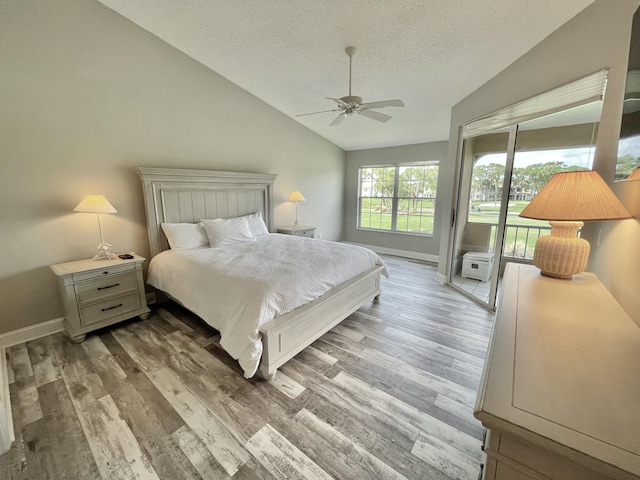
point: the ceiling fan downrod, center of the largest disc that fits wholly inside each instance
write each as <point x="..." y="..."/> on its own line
<point x="350" y="99"/>
<point x="351" y="51"/>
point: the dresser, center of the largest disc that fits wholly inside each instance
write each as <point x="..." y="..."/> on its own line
<point x="298" y="231"/>
<point x="98" y="293"/>
<point x="560" y="389"/>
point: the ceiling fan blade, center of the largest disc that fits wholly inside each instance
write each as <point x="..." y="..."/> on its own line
<point x="384" y="103"/>
<point x="323" y="111"/>
<point x="338" y="101"/>
<point x="381" y="117"/>
<point x="338" y="120"/>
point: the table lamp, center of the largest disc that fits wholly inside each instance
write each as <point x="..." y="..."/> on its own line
<point x="296" y="196"/>
<point x="568" y="200"/>
<point x="98" y="204"/>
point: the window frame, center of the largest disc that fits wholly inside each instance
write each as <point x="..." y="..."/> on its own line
<point x="395" y="197"/>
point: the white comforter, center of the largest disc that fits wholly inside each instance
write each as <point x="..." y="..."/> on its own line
<point x="238" y="288"/>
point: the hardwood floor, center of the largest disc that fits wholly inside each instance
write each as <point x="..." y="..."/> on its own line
<point x="387" y="394"/>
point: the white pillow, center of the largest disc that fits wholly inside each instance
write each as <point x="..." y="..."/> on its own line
<point x="185" y="235"/>
<point x="257" y="225"/>
<point x="227" y="231"/>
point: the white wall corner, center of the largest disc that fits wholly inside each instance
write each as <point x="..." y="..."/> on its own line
<point x="32" y="332"/>
<point x="7" y="435"/>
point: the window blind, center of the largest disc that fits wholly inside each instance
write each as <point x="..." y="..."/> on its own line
<point x="579" y="92"/>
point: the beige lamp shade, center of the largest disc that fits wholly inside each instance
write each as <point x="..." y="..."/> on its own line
<point x="296" y="196"/>
<point x="566" y="201"/>
<point x="95" y="204"/>
<point x="576" y="196"/>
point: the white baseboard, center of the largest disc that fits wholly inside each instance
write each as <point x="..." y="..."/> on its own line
<point x="441" y="278"/>
<point x="400" y="253"/>
<point x="32" y="332"/>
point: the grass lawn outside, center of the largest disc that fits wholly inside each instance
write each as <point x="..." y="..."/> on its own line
<point x="521" y="233"/>
<point x="418" y="224"/>
<point x="519" y="240"/>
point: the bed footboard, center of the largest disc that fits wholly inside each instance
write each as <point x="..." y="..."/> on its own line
<point x="287" y="335"/>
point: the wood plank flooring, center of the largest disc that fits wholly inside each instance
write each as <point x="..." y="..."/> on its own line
<point x="387" y="394"/>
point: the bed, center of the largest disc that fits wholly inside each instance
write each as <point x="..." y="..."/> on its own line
<point x="187" y="196"/>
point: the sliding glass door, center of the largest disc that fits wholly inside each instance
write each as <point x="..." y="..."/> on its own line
<point x="501" y="171"/>
<point x="480" y="214"/>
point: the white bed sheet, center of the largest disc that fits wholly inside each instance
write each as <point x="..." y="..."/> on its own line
<point x="237" y="288"/>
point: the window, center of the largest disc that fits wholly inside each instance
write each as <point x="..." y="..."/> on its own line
<point x="398" y="198"/>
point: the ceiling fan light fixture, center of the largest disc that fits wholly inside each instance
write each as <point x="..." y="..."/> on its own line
<point x="352" y="100"/>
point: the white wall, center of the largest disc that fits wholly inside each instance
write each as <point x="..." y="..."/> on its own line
<point x="618" y="259"/>
<point x="596" y="38"/>
<point x="86" y="97"/>
<point x="426" y="247"/>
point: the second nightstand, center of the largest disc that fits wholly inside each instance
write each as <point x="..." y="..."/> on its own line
<point x="298" y="231"/>
<point x="99" y="293"/>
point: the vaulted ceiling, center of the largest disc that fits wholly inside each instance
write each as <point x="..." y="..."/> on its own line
<point x="291" y="54"/>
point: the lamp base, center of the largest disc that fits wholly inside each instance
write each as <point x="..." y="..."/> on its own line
<point x="104" y="253"/>
<point x="561" y="254"/>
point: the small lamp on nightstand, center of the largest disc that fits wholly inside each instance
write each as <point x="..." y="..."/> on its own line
<point x="296" y="196"/>
<point x="567" y="201"/>
<point x="98" y="204"/>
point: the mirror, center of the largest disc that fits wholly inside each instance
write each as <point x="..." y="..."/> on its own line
<point x="629" y="144"/>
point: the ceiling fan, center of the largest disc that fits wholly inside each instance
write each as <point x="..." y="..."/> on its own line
<point x="352" y="105"/>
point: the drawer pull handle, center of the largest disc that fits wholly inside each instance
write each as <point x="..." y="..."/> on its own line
<point x="111" y="308"/>
<point x="105" y="273"/>
<point x="109" y="286"/>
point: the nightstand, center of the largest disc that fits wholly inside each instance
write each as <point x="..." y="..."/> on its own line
<point x="98" y="293"/>
<point x="298" y="231"/>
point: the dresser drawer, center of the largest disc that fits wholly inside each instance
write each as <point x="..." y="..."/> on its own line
<point x="96" y="312"/>
<point x="105" y="287"/>
<point x="541" y="463"/>
<point x="103" y="272"/>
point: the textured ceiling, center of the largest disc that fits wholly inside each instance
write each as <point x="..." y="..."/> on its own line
<point x="429" y="53"/>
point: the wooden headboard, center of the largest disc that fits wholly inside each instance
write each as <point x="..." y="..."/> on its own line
<point x="186" y="196"/>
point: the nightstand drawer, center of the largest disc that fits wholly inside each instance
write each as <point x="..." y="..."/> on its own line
<point x="305" y="233"/>
<point x="298" y="231"/>
<point x="103" y="272"/>
<point x="96" y="312"/>
<point x="104" y="287"/>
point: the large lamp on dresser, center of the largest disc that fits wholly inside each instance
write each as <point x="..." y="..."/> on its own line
<point x="568" y="200"/>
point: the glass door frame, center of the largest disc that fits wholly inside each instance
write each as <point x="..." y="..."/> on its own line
<point x="458" y="223"/>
